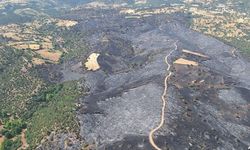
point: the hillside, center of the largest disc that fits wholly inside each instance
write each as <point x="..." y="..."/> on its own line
<point x="126" y="74"/>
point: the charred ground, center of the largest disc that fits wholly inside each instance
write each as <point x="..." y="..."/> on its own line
<point x="124" y="103"/>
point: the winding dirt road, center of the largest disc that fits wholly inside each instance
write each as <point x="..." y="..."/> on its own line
<point x="163" y="97"/>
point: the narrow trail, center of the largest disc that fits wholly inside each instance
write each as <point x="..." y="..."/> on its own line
<point x="163" y="97"/>
<point x="23" y="140"/>
<point x="233" y="52"/>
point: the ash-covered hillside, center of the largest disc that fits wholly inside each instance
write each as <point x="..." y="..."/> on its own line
<point x="207" y="95"/>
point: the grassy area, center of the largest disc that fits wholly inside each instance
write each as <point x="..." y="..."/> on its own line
<point x="57" y="114"/>
<point x="242" y="45"/>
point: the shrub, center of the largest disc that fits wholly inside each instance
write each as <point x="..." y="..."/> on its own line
<point x="13" y="128"/>
<point x="11" y="144"/>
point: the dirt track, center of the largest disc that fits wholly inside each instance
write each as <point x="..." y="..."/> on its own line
<point x="163" y="97"/>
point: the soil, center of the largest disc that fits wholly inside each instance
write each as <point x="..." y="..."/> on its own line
<point x="23" y="140"/>
<point x="182" y="61"/>
<point x="92" y="63"/>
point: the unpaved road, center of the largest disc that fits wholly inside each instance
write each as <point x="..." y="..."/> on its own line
<point x="163" y="97"/>
<point x="24" y="141"/>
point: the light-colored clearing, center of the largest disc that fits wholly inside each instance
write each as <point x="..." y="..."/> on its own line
<point x="47" y="39"/>
<point x="140" y="1"/>
<point x="1" y="137"/>
<point x="183" y="61"/>
<point x="34" y="46"/>
<point x="11" y="35"/>
<point x="23" y="140"/>
<point x="47" y="45"/>
<point x="21" y="46"/>
<point x="37" y="61"/>
<point x="95" y="5"/>
<point x="194" y="53"/>
<point x="1" y="140"/>
<point x="92" y="63"/>
<point x="127" y="11"/>
<point x="66" y="23"/>
<point x="16" y="1"/>
<point x="53" y="56"/>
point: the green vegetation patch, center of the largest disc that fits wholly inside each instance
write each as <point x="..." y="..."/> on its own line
<point x="241" y="44"/>
<point x="11" y="144"/>
<point x="11" y="131"/>
<point x="57" y="115"/>
<point x="13" y="128"/>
